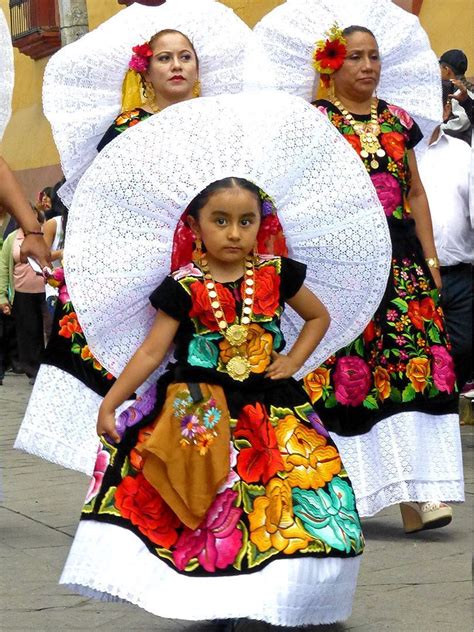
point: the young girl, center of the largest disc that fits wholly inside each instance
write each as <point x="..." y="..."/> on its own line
<point x="226" y="472"/>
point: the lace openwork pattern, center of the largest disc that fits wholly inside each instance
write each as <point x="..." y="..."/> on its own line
<point x="128" y="205"/>
<point x="410" y="456"/>
<point x="6" y="73"/>
<point x="83" y="81"/>
<point x="410" y="70"/>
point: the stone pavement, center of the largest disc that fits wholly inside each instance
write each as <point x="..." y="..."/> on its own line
<point x="417" y="583"/>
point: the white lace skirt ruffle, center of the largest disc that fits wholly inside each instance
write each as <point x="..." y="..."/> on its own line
<point x="59" y="422"/>
<point x="410" y="456"/>
<point x="110" y="563"/>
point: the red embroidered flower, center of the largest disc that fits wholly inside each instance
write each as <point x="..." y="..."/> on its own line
<point x="354" y="140"/>
<point x="369" y="332"/>
<point x="263" y="459"/>
<point x="415" y="315"/>
<point x="267" y="291"/>
<point x="394" y="144"/>
<point x="202" y="309"/>
<point x="140" y="503"/>
<point x="69" y="325"/>
<point x="429" y="312"/>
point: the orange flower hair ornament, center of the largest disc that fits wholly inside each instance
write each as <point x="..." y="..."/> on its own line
<point x="329" y="54"/>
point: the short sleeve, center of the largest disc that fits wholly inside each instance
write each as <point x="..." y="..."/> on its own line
<point x="121" y="123"/>
<point x="172" y="299"/>
<point x="414" y="135"/>
<point x="293" y="274"/>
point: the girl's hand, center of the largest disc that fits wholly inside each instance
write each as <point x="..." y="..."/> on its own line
<point x="6" y="309"/>
<point x="106" y="424"/>
<point x="282" y="367"/>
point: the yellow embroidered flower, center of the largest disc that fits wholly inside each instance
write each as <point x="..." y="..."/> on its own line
<point x="257" y="348"/>
<point x="418" y="371"/>
<point x="316" y="381"/>
<point x="272" y="521"/>
<point x="309" y="461"/>
<point x="382" y="382"/>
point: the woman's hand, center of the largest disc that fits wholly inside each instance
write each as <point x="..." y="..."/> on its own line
<point x="106" y="424"/>
<point x="461" y="88"/>
<point x="35" y="246"/>
<point x="6" y="309"/>
<point x="282" y="367"/>
<point x="436" y="274"/>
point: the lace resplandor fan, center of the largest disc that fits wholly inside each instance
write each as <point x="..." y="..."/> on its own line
<point x="410" y="71"/>
<point x="6" y="74"/>
<point x="127" y="205"/>
<point x="82" y="91"/>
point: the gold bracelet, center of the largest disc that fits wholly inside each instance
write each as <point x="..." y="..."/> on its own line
<point x="433" y="262"/>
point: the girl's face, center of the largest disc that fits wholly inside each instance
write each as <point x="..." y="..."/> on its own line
<point x="358" y="77"/>
<point x="173" y="68"/>
<point x="228" y="225"/>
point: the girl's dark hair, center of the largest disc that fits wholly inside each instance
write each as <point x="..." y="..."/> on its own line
<point x="170" y="32"/>
<point x="355" y="28"/>
<point x="202" y="198"/>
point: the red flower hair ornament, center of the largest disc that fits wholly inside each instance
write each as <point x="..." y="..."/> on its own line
<point x="140" y="60"/>
<point x="329" y="54"/>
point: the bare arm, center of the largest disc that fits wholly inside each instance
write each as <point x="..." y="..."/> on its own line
<point x="146" y="359"/>
<point x="14" y="200"/>
<point x="421" y="214"/>
<point x="317" y="318"/>
<point x="49" y="234"/>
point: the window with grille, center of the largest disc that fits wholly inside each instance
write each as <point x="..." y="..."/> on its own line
<point x="35" y="27"/>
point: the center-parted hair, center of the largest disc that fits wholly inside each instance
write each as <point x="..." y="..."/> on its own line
<point x="233" y="182"/>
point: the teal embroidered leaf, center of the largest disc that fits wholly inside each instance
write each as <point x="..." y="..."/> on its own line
<point x="409" y="393"/>
<point x="277" y="335"/>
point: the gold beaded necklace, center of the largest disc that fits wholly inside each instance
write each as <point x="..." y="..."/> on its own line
<point x="236" y="335"/>
<point x="367" y="132"/>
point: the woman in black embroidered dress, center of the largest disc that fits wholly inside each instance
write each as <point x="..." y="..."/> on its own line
<point x="390" y="395"/>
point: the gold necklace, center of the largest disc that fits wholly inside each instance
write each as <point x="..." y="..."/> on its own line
<point x="236" y="335"/>
<point x="367" y="132"/>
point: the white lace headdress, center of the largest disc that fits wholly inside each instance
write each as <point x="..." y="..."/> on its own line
<point x="129" y="202"/>
<point x="83" y="81"/>
<point x="6" y="74"/>
<point x="410" y="71"/>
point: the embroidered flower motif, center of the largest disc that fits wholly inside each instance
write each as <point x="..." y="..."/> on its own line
<point x="382" y="382"/>
<point x="443" y="369"/>
<point x="69" y="325"/>
<point x="403" y="116"/>
<point x="211" y="417"/>
<point x="330" y="517"/>
<point x="217" y="541"/>
<point x="190" y="426"/>
<point x="267" y="291"/>
<point x="316" y="381"/>
<point x="262" y="460"/>
<point x="318" y="425"/>
<point x="273" y="523"/>
<point x="142" y="406"/>
<point x="388" y="191"/>
<point x="140" y="59"/>
<point x="394" y="144"/>
<point x="232" y="477"/>
<point x="201" y="306"/>
<point x="369" y="332"/>
<point x="418" y="372"/>
<point x="188" y="270"/>
<point x="354" y="140"/>
<point x="181" y="403"/>
<point x="86" y="353"/>
<point x="140" y="503"/>
<point x="352" y="379"/>
<point x="257" y="348"/>
<point x="308" y="460"/>
<point x="101" y="464"/>
<point x="136" y="459"/>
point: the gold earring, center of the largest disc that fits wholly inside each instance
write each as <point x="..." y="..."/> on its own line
<point x="331" y="90"/>
<point x="197" y="252"/>
<point x="150" y="96"/>
<point x="197" y="88"/>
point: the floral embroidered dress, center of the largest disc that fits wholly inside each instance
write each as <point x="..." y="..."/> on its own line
<point x="282" y="531"/>
<point x="400" y="368"/>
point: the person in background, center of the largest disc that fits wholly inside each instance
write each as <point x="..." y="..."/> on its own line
<point x="14" y="200"/>
<point x="8" y="345"/>
<point x="22" y="293"/>
<point x="453" y="64"/>
<point x="445" y="172"/>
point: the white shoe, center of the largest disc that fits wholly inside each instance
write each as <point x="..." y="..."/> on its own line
<point x="428" y="515"/>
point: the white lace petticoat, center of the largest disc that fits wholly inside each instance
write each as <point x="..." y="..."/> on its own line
<point x="409" y="456"/>
<point x="291" y="592"/>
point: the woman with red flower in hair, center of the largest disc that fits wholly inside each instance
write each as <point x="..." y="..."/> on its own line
<point x="391" y="395"/>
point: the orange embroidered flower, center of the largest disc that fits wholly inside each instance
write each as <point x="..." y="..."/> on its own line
<point x="418" y="372"/>
<point x="394" y="144"/>
<point x="316" y="381"/>
<point x="272" y="522"/>
<point x="126" y="116"/>
<point x="135" y="456"/>
<point x="382" y="382"/>
<point x="69" y="325"/>
<point x="257" y="348"/>
<point x="309" y="461"/>
<point x="86" y="353"/>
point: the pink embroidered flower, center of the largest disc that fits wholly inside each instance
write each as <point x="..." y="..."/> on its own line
<point x="232" y="477"/>
<point x="217" y="541"/>
<point x="402" y="115"/>
<point x="322" y="109"/>
<point x="101" y="463"/>
<point x="188" y="270"/>
<point x="388" y="191"/>
<point x="63" y="294"/>
<point x="442" y="369"/>
<point x="352" y="379"/>
<point x="392" y="315"/>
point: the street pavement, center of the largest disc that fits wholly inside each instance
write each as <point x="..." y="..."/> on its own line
<point x="416" y="583"/>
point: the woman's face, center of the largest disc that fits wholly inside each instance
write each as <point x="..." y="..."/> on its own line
<point x="173" y="69"/>
<point x="358" y="77"/>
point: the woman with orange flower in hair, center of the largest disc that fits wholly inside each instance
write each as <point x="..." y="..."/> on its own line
<point x="390" y="395"/>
